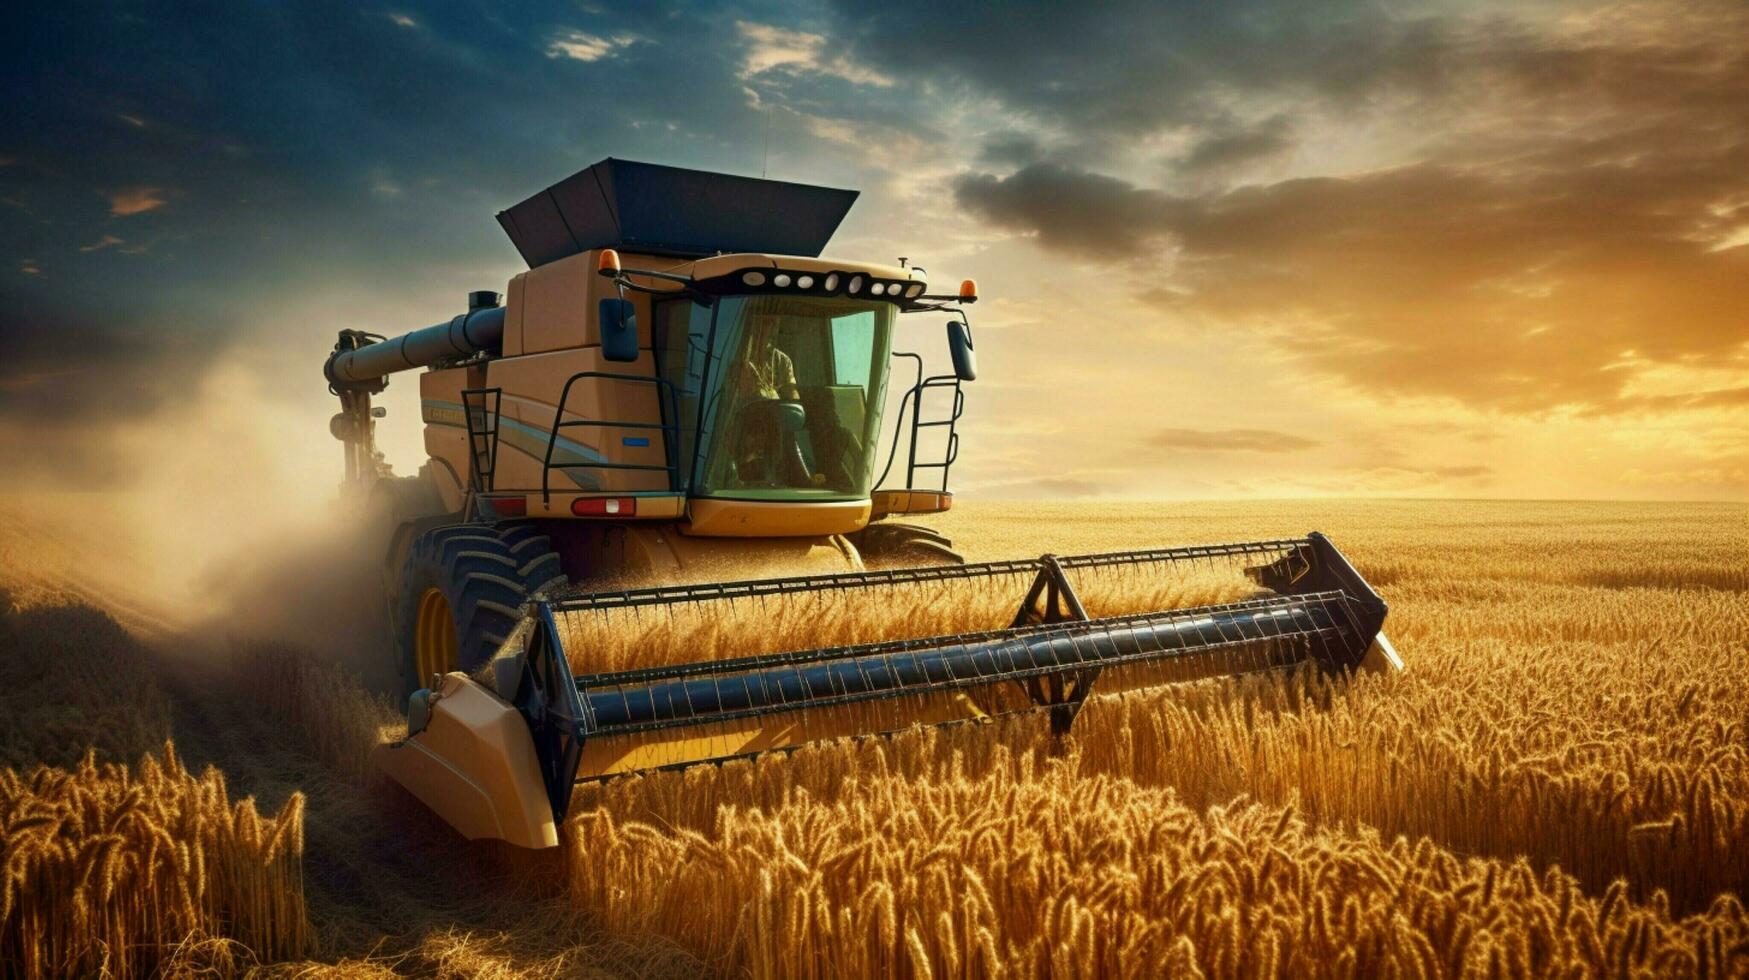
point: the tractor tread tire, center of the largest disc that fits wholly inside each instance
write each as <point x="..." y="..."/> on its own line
<point x="542" y="569"/>
<point x="486" y="573"/>
<point x="884" y="546"/>
<point x="504" y="560"/>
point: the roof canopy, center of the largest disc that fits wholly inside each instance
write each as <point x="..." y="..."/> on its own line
<point x="644" y="207"/>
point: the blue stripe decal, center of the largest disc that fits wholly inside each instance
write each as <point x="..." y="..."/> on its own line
<point x="564" y="450"/>
<point x="525" y="439"/>
<point x="635" y="441"/>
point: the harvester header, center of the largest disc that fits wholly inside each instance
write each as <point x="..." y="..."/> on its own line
<point x="1310" y="607"/>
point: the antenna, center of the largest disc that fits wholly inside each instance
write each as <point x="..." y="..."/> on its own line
<point x="765" y="148"/>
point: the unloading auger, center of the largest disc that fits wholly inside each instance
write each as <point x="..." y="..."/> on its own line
<point x="497" y="754"/>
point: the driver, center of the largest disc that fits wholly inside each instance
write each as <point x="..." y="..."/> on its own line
<point x="766" y="374"/>
<point x="765" y="371"/>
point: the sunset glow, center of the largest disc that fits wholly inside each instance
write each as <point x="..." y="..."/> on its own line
<point x="1451" y="249"/>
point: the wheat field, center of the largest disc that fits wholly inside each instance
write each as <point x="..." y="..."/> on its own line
<point x="1558" y="786"/>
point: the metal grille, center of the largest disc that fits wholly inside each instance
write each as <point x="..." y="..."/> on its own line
<point x="665" y="397"/>
<point x="1277" y="631"/>
<point x="756" y="588"/>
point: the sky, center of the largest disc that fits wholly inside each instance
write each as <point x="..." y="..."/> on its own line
<point x="1265" y="248"/>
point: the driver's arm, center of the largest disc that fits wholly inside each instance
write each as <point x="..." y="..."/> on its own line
<point x="784" y="378"/>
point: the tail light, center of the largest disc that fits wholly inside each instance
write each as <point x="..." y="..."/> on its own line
<point x="508" y="506"/>
<point x="604" y="506"/>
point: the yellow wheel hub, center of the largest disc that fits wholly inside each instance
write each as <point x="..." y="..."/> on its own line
<point x="434" y="642"/>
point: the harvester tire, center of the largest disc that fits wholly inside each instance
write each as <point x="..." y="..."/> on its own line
<point x="472" y="580"/>
<point x="903" y="546"/>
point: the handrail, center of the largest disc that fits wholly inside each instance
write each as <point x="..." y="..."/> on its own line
<point x="951" y="451"/>
<point x="483" y="440"/>
<point x="670" y="430"/>
<point x="912" y="401"/>
<point x="899" y="423"/>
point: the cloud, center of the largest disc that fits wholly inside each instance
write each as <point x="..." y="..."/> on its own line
<point x="1474" y="472"/>
<point x="29" y="267"/>
<point x="1113" y="70"/>
<point x="135" y="200"/>
<point x="1010" y="148"/>
<point x="106" y="241"/>
<point x="1551" y="254"/>
<point x="20" y="382"/>
<point x="1230" y="440"/>
<point x="1401" y="479"/>
<point x="1393" y="280"/>
<point x="401" y="20"/>
<point x="579" y="46"/>
<point x="1717" y="476"/>
<point x="1071" y="209"/>
<point x="776" y="49"/>
<point x="1239" y="146"/>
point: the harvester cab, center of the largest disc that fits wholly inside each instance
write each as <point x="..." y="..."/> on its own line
<point x="657" y="474"/>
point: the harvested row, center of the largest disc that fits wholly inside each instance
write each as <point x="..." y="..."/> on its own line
<point x="324" y="703"/>
<point x="108" y="871"/>
<point x="73" y="681"/>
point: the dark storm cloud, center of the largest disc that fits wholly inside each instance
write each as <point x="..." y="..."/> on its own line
<point x="1393" y="280"/>
<point x="1582" y="230"/>
<point x="173" y="170"/>
<point x="1112" y="70"/>
<point x="239" y="119"/>
<point x="175" y="177"/>
<point x="1238" y="146"/>
<point x="1072" y="209"/>
<point x="1010" y="149"/>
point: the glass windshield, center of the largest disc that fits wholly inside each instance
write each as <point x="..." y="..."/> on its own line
<point x="781" y="399"/>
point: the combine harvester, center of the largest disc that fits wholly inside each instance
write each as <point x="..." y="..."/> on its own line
<point x="680" y="394"/>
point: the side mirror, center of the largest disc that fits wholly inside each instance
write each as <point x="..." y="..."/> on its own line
<point x="959" y="344"/>
<point x="619" y="330"/>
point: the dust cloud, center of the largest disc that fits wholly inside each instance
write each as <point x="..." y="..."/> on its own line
<point x="220" y="519"/>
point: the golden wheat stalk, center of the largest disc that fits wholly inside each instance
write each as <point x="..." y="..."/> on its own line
<point x="112" y="871"/>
